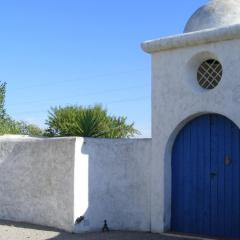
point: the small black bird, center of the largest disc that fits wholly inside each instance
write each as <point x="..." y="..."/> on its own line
<point x="105" y="227"/>
<point x="79" y="220"/>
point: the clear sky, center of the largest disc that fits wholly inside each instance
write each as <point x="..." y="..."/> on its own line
<point x="59" y="52"/>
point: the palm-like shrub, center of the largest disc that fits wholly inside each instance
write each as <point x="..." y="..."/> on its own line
<point x="87" y="122"/>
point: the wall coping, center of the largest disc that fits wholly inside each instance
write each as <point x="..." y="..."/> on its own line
<point x="26" y="138"/>
<point x="192" y="39"/>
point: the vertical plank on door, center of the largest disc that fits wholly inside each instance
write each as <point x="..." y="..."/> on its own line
<point x="214" y="174"/>
<point x="177" y="183"/>
<point x="219" y="129"/>
<point x="235" y="165"/>
<point x="201" y="153"/>
<point x="187" y="190"/>
<point x="228" y="180"/>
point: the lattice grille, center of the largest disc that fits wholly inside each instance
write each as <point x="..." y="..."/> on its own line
<point x="209" y="74"/>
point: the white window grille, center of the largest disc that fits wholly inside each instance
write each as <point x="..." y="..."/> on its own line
<point x="209" y="74"/>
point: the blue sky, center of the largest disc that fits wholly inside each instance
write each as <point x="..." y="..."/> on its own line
<point x="60" y="52"/>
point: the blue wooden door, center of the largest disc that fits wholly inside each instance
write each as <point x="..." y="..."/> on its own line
<point x="206" y="178"/>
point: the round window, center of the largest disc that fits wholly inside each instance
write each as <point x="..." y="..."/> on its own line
<point x="209" y="74"/>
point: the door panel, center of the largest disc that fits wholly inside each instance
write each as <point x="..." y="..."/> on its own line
<point x="205" y="178"/>
<point x="190" y="183"/>
<point x="236" y="179"/>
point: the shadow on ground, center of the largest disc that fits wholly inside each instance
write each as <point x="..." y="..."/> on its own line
<point x="35" y="232"/>
<point x="115" y="235"/>
<point x="26" y="226"/>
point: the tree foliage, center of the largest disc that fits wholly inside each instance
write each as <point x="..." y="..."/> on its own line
<point x="10" y="126"/>
<point x="2" y="100"/>
<point x="87" y="122"/>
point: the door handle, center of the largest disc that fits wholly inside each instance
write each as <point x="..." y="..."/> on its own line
<point x="227" y="160"/>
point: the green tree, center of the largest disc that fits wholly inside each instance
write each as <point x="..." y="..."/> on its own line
<point x="28" y="129"/>
<point x="87" y="122"/>
<point x="10" y="126"/>
<point x="2" y="100"/>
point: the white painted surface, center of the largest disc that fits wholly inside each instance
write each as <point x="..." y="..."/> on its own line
<point x="176" y="99"/>
<point x="192" y="39"/>
<point x="81" y="180"/>
<point x="52" y="182"/>
<point x="118" y="184"/>
<point x="215" y="14"/>
<point x="36" y="180"/>
<point x="213" y="32"/>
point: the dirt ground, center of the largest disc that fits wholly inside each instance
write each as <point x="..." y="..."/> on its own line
<point x="22" y="231"/>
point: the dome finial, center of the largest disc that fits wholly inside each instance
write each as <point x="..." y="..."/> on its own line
<point x="216" y="13"/>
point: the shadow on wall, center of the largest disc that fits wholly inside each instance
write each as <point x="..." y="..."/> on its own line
<point x="112" y="183"/>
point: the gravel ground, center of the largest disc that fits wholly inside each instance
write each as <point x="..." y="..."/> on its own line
<point x="21" y="231"/>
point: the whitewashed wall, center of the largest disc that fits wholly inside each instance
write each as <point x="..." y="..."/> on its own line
<point x="52" y="182"/>
<point x="118" y="184"/>
<point x="36" y="181"/>
<point x="177" y="98"/>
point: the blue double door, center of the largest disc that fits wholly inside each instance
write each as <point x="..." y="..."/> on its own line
<point x="206" y="178"/>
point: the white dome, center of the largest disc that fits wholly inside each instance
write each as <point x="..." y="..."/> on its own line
<point x="216" y="13"/>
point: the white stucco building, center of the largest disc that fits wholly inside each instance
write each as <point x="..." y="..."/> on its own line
<point x="185" y="179"/>
<point x="197" y="74"/>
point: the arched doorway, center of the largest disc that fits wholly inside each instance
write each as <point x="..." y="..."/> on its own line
<point x="206" y="178"/>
